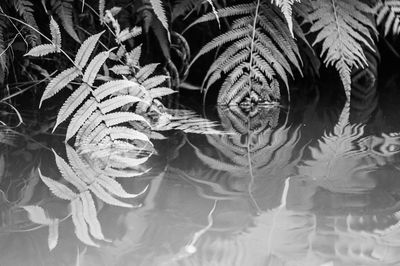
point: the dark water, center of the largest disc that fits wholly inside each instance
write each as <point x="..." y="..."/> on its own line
<point x="304" y="186"/>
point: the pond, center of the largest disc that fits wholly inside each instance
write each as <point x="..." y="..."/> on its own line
<point x="310" y="185"/>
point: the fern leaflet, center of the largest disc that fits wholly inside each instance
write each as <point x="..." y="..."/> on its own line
<point x="344" y="29"/>
<point x="388" y="16"/>
<point x="286" y="8"/>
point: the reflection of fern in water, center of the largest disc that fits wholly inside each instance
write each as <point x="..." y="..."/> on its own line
<point x="336" y="160"/>
<point x="260" y="50"/>
<point x="87" y="176"/>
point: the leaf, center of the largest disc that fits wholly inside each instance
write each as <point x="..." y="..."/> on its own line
<point x="123" y="117"/>
<point x="114" y="86"/>
<point x="57" y="188"/>
<point x="145" y="72"/>
<point x="59" y="82"/>
<point x="73" y="101"/>
<point x="160" y="13"/>
<point x="160" y="92"/>
<point x="90" y="215"/>
<point x="344" y="28"/>
<point x="388" y="16"/>
<point x="127" y="133"/>
<point x="154" y="81"/>
<point x="81" y="228"/>
<point x="117" y="102"/>
<point x="55" y="34"/>
<point x="115" y="188"/>
<point x="64" y="10"/>
<point x="37" y="214"/>
<point x="94" y="67"/>
<point x="86" y="50"/>
<point x="52" y="240"/>
<point x="120" y="70"/>
<point x="286" y="8"/>
<point x="107" y="198"/>
<point x="133" y="57"/>
<point x="69" y="174"/>
<point x="42" y="50"/>
<point x="83" y="113"/>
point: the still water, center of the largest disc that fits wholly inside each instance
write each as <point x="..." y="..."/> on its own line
<point x="301" y="187"/>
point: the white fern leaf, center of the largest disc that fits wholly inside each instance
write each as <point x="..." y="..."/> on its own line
<point x="81" y="228"/>
<point x="114" y="86"/>
<point x="154" y="81"/>
<point x="64" y="10"/>
<point x="55" y="34"/>
<point x="83" y="113"/>
<point x="120" y="70"/>
<point x="123" y="117"/>
<point x="68" y="173"/>
<point x="145" y="72"/>
<point x="133" y="57"/>
<point x="160" y="92"/>
<point x="342" y="27"/>
<point x="127" y="133"/>
<point x="160" y="13"/>
<point x="286" y="8"/>
<point x="90" y="215"/>
<point x="117" y="102"/>
<point x="86" y="49"/>
<point x="107" y="198"/>
<point x="37" y="214"/>
<point x="58" y="189"/>
<point x="52" y="239"/>
<point x="42" y="50"/>
<point x="73" y="101"/>
<point x="59" y="82"/>
<point x="127" y="34"/>
<point x="94" y="67"/>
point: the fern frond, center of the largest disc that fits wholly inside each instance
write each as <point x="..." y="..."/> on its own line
<point x="64" y="11"/>
<point x="154" y="81"/>
<point x="94" y="67"/>
<point x="86" y="49"/>
<point x="388" y="16"/>
<point x="145" y="72"/>
<point x="286" y="8"/>
<point x="159" y="10"/>
<point x="59" y="82"/>
<point x="81" y="227"/>
<point x="260" y="50"/>
<point x="344" y="29"/>
<point x="73" y="101"/>
<point x="83" y="113"/>
<point x="112" y="87"/>
<point x="25" y="9"/>
<point x="58" y="189"/>
<point x="42" y="50"/>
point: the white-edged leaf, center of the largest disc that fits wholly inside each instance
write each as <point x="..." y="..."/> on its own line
<point x="58" y="189"/>
<point x="55" y="34"/>
<point x="106" y="197"/>
<point x="160" y="92"/>
<point x="59" y="82"/>
<point x="114" y="86"/>
<point x="146" y="71"/>
<point x="160" y="13"/>
<point x="117" y="102"/>
<point x="90" y="215"/>
<point x="128" y="162"/>
<point x="116" y="118"/>
<point x="86" y="49"/>
<point x="94" y="67"/>
<point x="52" y="239"/>
<point x="73" y="101"/>
<point x="121" y="70"/>
<point x="81" y="228"/>
<point x="154" y="81"/>
<point x="83" y="113"/>
<point x="127" y="133"/>
<point x="42" y="50"/>
<point x="37" y="215"/>
<point x="68" y="173"/>
<point x="133" y="57"/>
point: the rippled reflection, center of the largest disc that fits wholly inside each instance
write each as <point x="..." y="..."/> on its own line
<point x="265" y="191"/>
